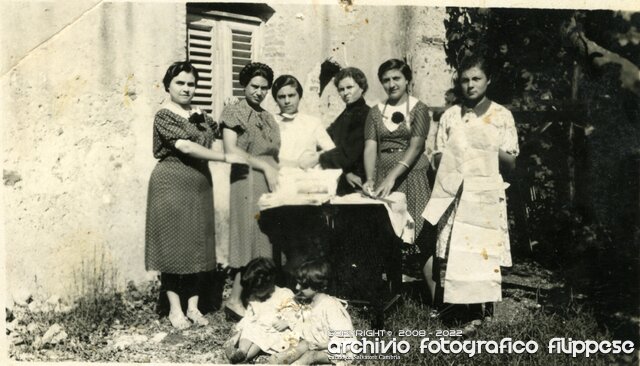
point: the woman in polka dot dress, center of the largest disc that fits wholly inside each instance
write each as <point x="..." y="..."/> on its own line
<point x="395" y="134"/>
<point x="180" y="241"/>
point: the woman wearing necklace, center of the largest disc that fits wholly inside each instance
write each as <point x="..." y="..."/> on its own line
<point x="395" y="134"/>
<point x="251" y="132"/>
<point x="180" y="241"/>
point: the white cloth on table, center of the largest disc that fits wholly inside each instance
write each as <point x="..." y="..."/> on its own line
<point x="297" y="187"/>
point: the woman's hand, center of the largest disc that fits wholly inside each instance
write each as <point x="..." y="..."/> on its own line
<point x="385" y="187"/>
<point x="308" y="160"/>
<point x="232" y="158"/>
<point x="280" y="325"/>
<point x="368" y="188"/>
<point x="353" y="180"/>
<point x="271" y="174"/>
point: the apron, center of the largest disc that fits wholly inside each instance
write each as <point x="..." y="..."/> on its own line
<point x="478" y="245"/>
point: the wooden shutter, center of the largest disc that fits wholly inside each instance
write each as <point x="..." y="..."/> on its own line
<point x="220" y="45"/>
<point x="200" y="41"/>
<point x="241" y="54"/>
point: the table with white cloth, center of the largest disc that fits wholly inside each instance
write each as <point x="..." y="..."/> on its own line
<point x="359" y="236"/>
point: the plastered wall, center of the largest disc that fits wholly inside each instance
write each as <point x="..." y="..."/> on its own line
<point x="79" y="92"/>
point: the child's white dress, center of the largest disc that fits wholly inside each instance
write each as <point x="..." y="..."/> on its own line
<point x="257" y="324"/>
<point x="325" y="314"/>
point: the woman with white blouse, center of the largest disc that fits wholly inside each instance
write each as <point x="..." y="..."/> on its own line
<point x="301" y="135"/>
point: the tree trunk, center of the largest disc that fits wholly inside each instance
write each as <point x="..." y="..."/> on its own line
<point x="599" y="56"/>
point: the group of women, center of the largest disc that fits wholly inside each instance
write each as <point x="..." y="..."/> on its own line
<point x="380" y="150"/>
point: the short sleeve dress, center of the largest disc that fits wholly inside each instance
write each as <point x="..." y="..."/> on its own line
<point x="257" y="324"/>
<point x="469" y="203"/>
<point x="325" y="316"/>
<point x="258" y="135"/>
<point x="392" y="146"/>
<point x="180" y="236"/>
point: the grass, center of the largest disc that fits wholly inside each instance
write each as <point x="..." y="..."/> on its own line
<point x="537" y="325"/>
<point x="103" y="314"/>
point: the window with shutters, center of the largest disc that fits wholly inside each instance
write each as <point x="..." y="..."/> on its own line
<point x="219" y="44"/>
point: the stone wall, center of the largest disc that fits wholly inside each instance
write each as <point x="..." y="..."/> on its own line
<point x="298" y="38"/>
<point x="79" y="93"/>
<point x="78" y="104"/>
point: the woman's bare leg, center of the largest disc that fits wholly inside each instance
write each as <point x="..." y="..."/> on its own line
<point x="427" y="271"/>
<point x="234" y="302"/>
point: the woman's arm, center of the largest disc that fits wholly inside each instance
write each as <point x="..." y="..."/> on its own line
<point x="198" y="151"/>
<point x="309" y="159"/>
<point x="346" y="155"/>
<point x="323" y="140"/>
<point x="370" y="156"/>
<point x="509" y="148"/>
<point x="507" y="161"/>
<point x="230" y="139"/>
<point x="416" y="147"/>
<point x="419" y="133"/>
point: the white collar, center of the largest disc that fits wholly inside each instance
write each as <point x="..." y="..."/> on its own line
<point x="179" y="111"/>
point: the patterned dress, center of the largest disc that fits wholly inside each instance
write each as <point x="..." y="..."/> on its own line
<point x="468" y="201"/>
<point x="180" y="235"/>
<point x="392" y="146"/>
<point x="257" y="323"/>
<point x="258" y="135"/>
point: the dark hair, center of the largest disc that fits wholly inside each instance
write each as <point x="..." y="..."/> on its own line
<point x="284" y="80"/>
<point x="258" y="279"/>
<point x="314" y="274"/>
<point x="175" y="69"/>
<point x="253" y="69"/>
<point x="474" y="60"/>
<point x="356" y="74"/>
<point x="395" y="64"/>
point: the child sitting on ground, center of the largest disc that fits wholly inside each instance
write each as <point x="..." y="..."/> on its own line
<point x="320" y="318"/>
<point x="270" y="316"/>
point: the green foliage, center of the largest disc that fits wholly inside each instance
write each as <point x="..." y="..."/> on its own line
<point x="578" y="171"/>
<point x="530" y="66"/>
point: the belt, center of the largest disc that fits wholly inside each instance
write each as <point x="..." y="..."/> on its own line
<point x="392" y="150"/>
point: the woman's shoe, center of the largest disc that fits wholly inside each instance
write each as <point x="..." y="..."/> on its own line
<point x="231" y="315"/>
<point x="196" y="316"/>
<point x="179" y="321"/>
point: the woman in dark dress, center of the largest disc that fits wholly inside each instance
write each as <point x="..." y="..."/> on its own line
<point x="347" y="131"/>
<point x="251" y="132"/>
<point x="180" y="241"/>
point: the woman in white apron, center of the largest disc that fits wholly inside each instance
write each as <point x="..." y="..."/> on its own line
<point x="476" y="139"/>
